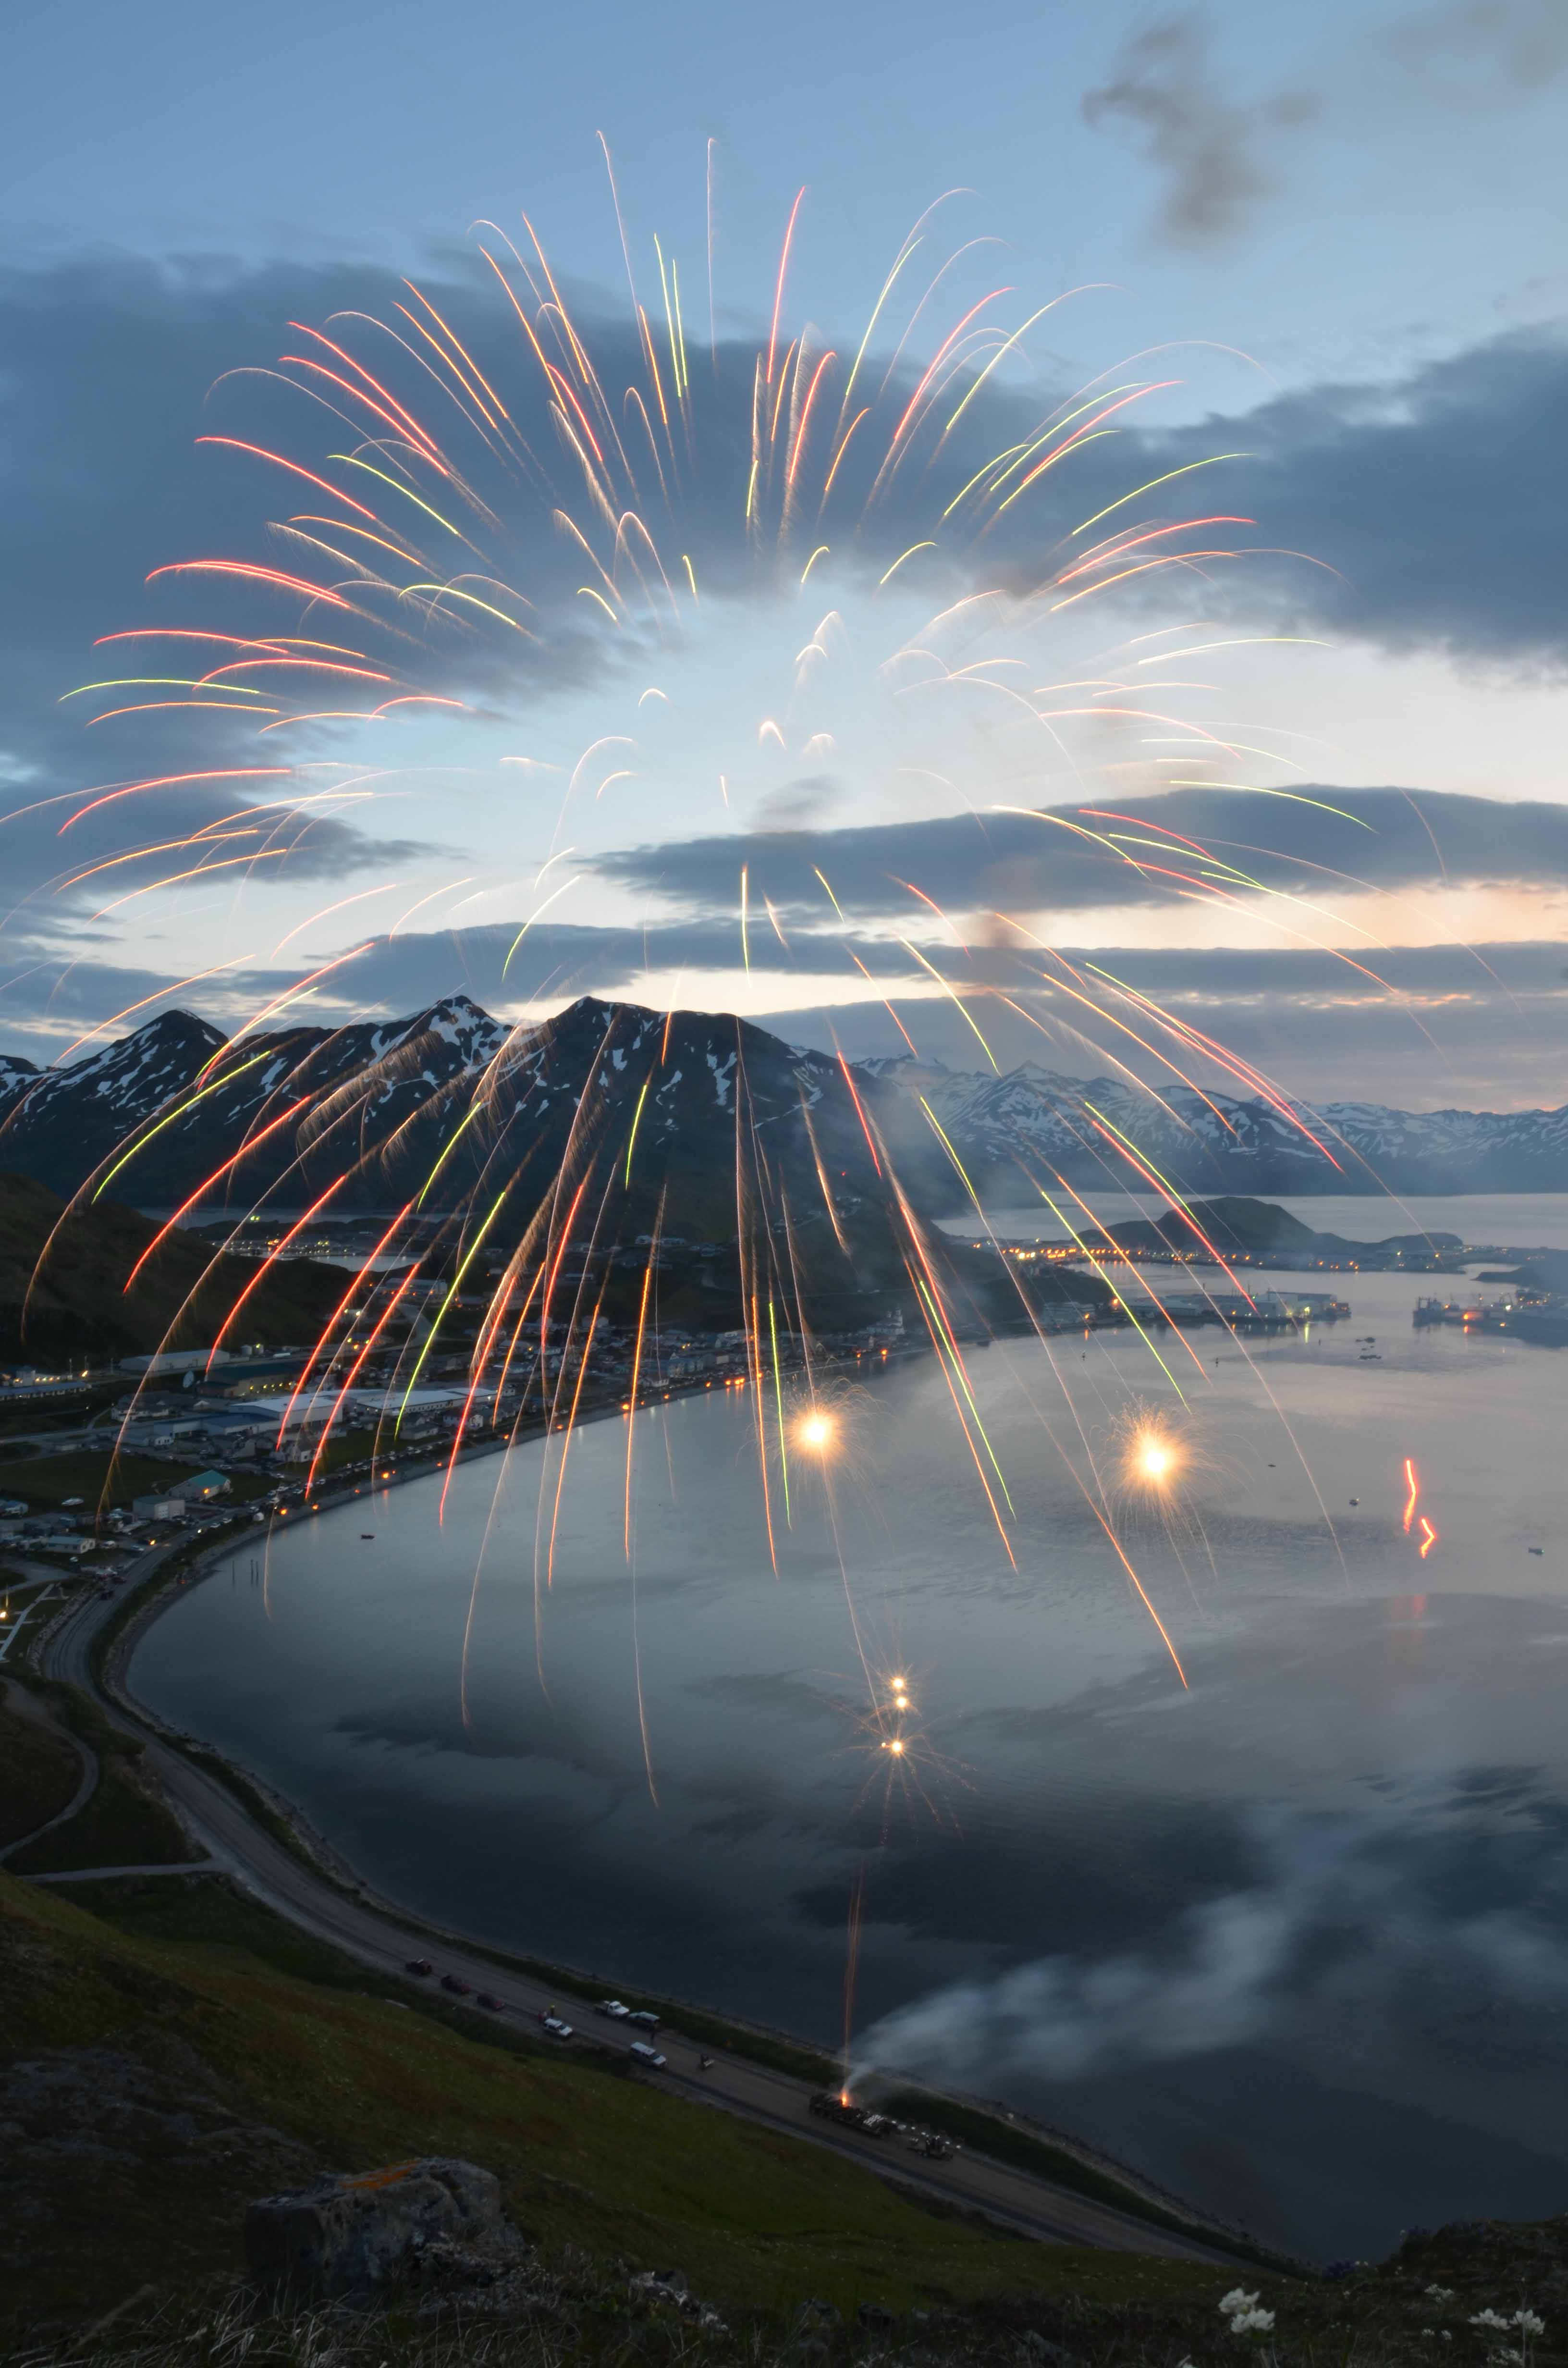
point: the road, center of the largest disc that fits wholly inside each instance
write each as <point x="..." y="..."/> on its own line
<point x="273" y="1874"/>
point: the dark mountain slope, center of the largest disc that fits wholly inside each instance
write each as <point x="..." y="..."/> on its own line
<point x="78" y="1306"/>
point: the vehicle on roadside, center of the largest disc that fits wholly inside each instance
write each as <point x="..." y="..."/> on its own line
<point x="645" y="2020"/>
<point x="556" y="2028"/>
<point x="613" y="2009"/>
<point x="834" y="2106"/>
<point x="490" y="2002"/>
<point x="419" y="1965"/>
<point x="647" y="2054"/>
<point x="459" y="1987"/>
<point x="831" y="2106"/>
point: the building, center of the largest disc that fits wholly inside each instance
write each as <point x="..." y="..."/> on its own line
<point x="158" y="1509"/>
<point x="175" y="1361"/>
<point x="201" y="1487"/>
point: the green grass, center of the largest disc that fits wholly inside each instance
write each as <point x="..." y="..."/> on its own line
<point x="251" y="2077"/>
<point x="100" y="1477"/>
<point x="81" y="1714"/>
<point x="119" y="1823"/>
<point x="42" y="1774"/>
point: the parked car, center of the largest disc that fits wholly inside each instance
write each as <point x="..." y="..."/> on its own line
<point x="613" y="2008"/>
<point x="556" y="2028"/>
<point x="419" y="1965"/>
<point x="490" y="2002"/>
<point x="458" y="1987"/>
<point x="645" y="2020"/>
<point x="647" y="2054"/>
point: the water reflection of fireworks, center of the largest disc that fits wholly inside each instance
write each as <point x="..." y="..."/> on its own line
<point x="903" y="1767"/>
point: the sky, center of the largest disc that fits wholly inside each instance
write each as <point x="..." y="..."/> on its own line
<point x="1083" y="487"/>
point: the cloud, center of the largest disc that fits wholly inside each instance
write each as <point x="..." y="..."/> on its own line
<point x="1457" y="1027"/>
<point x="1480" y="54"/>
<point x="115" y="367"/>
<point x="1347" y="1914"/>
<point x="794" y="804"/>
<point x="1074" y="859"/>
<point x="1422" y="497"/>
<point x="1220" y="158"/>
<point x="1208" y="148"/>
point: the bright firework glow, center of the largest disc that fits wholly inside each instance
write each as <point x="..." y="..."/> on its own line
<point x="1154" y="1457"/>
<point x="755" y="478"/>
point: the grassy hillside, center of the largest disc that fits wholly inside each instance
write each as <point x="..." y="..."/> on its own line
<point x="42" y="1774"/>
<point x="124" y="1821"/>
<point x="79" y="1308"/>
<point x="159" y="2081"/>
<point x="170" y="2050"/>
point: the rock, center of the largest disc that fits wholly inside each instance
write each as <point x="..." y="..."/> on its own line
<point x="815" y="2318"/>
<point x="660" y="2286"/>
<point x="364" y="2228"/>
<point x="668" y="2286"/>
<point x="875" y="2318"/>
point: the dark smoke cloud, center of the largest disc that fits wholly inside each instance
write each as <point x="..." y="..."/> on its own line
<point x="1208" y="149"/>
<point x="1218" y="157"/>
<point x="1483" y="54"/>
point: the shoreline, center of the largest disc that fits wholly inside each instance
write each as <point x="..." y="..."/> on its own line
<point x="110" y="1659"/>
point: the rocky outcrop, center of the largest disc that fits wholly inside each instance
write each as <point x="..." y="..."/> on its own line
<point x="371" y="2227"/>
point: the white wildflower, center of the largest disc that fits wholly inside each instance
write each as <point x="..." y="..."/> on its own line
<point x="1237" y="2301"/>
<point x="1490" y="2318"/>
<point x="1528" y="2324"/>
<point x="1439" y="2293"/>
<point x="1249" y="2322"/>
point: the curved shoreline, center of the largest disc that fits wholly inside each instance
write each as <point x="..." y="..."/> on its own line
<point x="110" y="1666"/>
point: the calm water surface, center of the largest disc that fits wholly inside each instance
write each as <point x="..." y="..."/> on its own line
<point x="1293" y="1938"/>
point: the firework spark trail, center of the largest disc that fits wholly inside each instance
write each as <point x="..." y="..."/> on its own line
<point x="253" y="1142"/>
<point x="292" y="1235"/>
<point x="583" y="1354"/>
<point x="811" y="446"/>
<point x="1121" y="1301"/>
<point x="1152" y="1176"/>
<point x="637" y="1364"/>
<point x="1101" y="1511"/>
<point x="851" y="1967"/>
<point x="394" y="1302"/>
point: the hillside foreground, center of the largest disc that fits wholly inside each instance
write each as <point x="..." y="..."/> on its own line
<point x="166" y="2058"/>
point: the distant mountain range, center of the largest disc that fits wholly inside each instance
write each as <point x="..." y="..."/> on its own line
<point x="453" y="1102"/>
<point x="1029" y="1120"/>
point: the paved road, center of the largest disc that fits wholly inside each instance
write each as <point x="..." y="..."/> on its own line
<point x="365" y="1930"/>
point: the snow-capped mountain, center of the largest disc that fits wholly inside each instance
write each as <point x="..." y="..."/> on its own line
<point x="449" y="1099"/>
<point x="451" y="1102"/>
<point x="1031" y="1121"/>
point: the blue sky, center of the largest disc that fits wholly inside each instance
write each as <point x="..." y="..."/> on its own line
<point x="1335" y="231"/>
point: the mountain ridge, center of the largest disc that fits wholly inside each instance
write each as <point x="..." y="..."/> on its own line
<point x="373" y="1107"/>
